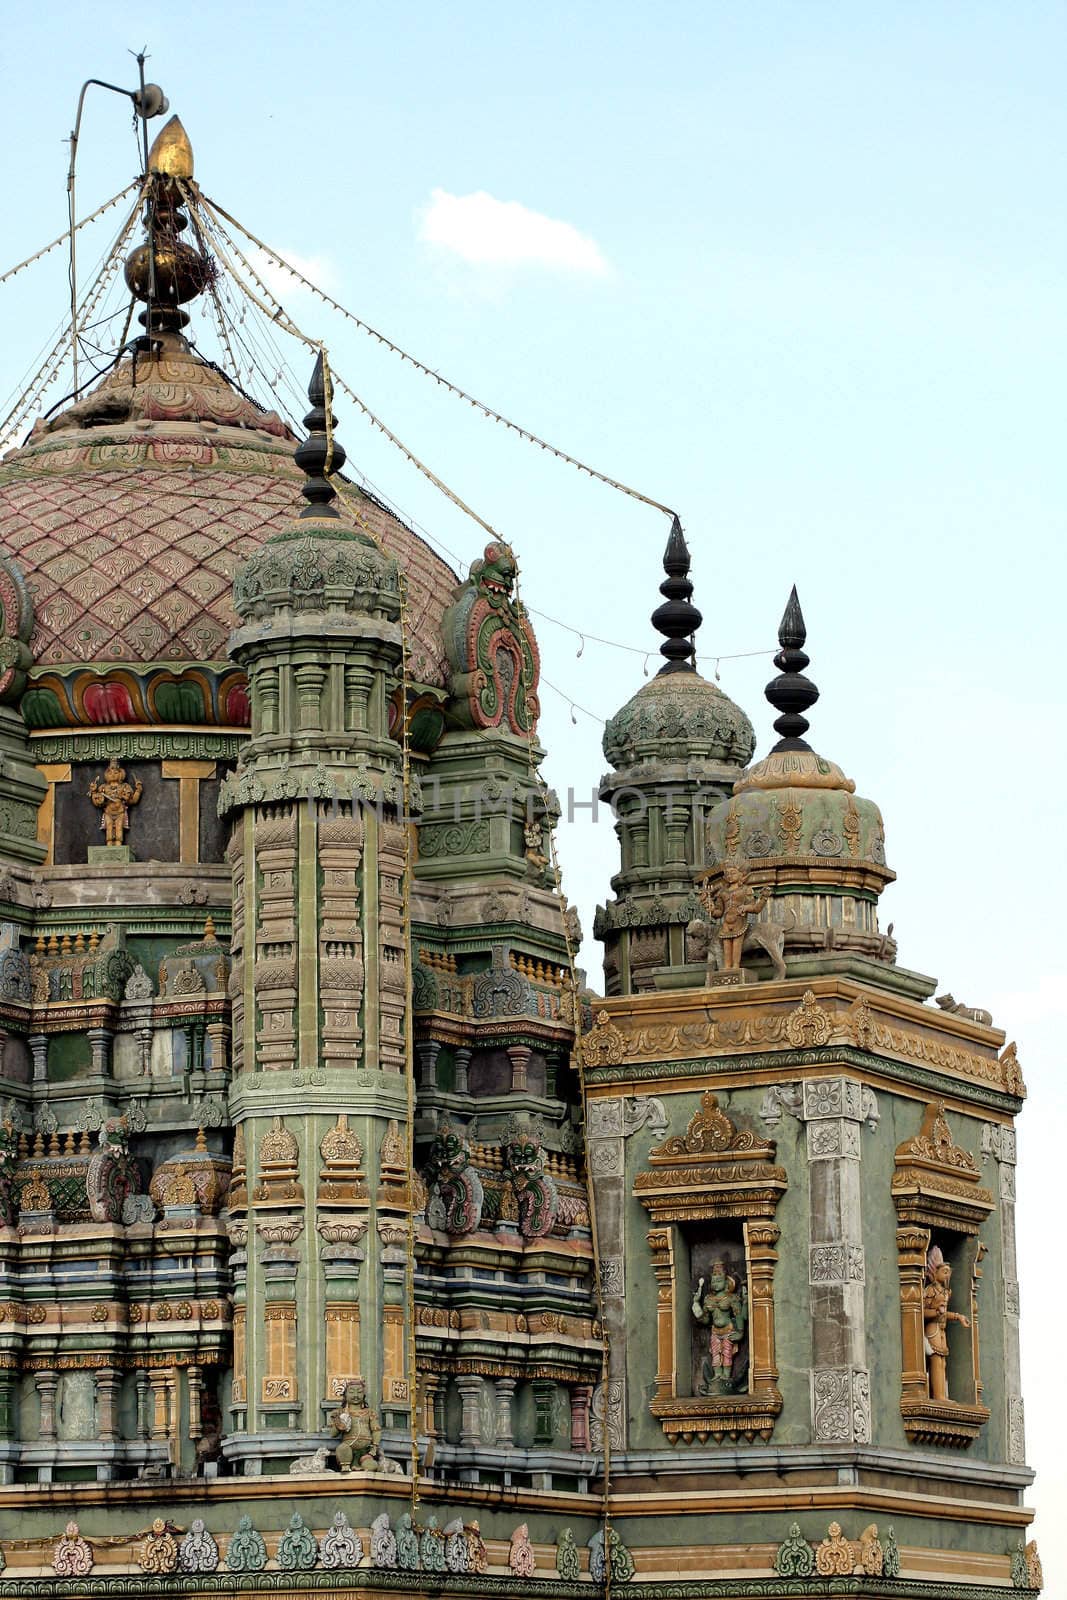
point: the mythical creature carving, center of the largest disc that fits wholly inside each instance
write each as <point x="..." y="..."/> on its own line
<point x="730" y="905"/>
<point x="491" y="649"/>
<point x="536" y="1194"/>
<point x="460" y="1188"/>
<point x="112" y="1173"/>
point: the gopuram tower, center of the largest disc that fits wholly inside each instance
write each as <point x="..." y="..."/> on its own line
<point x="349" y="1242"/>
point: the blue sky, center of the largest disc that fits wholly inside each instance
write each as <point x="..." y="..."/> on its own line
<point x="819" y="307"/>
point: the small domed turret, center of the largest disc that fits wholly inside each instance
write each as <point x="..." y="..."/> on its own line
<point x="797" y="828"/>
<point x="675" y="749"/>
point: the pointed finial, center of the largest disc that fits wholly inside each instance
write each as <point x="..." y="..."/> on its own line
<point x="678" y="619"/>
<point x="791" y="693"/>
<point x="320" y="453"/>
<point x="171" y="153"/>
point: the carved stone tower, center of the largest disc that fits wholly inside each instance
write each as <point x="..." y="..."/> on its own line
<point x="318" y="858"/>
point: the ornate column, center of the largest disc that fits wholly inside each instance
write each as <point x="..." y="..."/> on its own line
<point x="470" y="1428"/>
<point x="108" y="1381"/>
<point x="998" y="1142"/>
<point x="504" y="1394"/>
<point x="834" y="1110"/>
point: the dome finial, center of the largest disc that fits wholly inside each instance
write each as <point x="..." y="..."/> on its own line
<point x="678" y="619"/>
<point x="320" y="453"/>
<point x="165" y="271"/>
<point x="791" y="693"/>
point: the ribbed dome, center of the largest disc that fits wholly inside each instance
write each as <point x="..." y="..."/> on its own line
<point x="130" y="512"/>
<point x="678" y="717"/>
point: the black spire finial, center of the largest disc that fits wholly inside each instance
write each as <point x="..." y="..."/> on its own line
<point x="791" y="693"/>
<point x="678" y="619"/>
<point x="319" y="454"/>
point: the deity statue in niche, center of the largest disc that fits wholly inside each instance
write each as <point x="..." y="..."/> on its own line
<point x="720" y="1310"/>
<point x="113" y="797"/>
<point x="936" y="1317"/>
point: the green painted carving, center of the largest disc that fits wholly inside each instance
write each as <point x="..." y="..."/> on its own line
<point x="298" y="1550"/>
<point x="156" y="746"/>
<point x="794" y="1557"/>
<point x="312" y="569"/>
<point x="1020" y="1571"/>
<point x="567" y="1557"/>
<point x="453" y="839"/>
<point x="890" y="1556"/>
<point x="247" y="1552"/>
<point x="16" y="626"/>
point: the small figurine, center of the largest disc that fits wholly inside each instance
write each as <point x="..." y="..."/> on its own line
<point x="722" y="1309"/>
<point x="731" y="905"/>
<point x="359" y="1432"/>
<point x="936" y="1317"/>
<point x="113" y="797"/>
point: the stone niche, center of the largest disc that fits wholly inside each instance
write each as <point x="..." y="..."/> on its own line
<point x="711" y="1195"/>
<point x="940" y="1208"/>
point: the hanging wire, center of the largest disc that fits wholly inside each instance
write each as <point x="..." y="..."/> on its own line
<point x="446" y="383"/>
<point x="65" y="235"/>
<point x="50" y="368"/>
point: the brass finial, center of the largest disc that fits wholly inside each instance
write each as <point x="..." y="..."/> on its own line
<point x="209" y="929"/>
<point x="171" y="153"/>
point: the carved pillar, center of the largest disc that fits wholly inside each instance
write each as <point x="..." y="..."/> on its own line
<point x="760" y="1241"/>
<point x="144" y="1410"/>
<point x="581" y="1396"/>
<point x="46" y="1383"/>
<point x="463" y="1061"/>
<point x="912" y="1245"/>
<point x="834" y="1110"/>
<point x="195" y="1380"/>
<point x="661" y="1244"/>
<point x="218" y="1035"/>
<point x="470" y="1428"/>
<point x="38" y="1043"/>
<point x="100" y="1051"/>
<point x="519" y="1056"/>
<point x="505" y="1391"/>
<point x="427" y="1051"/>
<point x="605" y="1133"/>
<point x="430" y="1388"/>
<point x="108" y="1381"/>
<point x="998" y="1141"/>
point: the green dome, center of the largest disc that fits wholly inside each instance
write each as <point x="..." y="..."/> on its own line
<point x="678" y="717"/>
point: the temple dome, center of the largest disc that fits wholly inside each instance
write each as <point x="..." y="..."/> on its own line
<point x="129" y="514"/>
<point x="678" y="717"/>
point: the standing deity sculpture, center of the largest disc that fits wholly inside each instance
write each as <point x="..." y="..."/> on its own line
<point x="731" y="904"/>
<point x="936" y="1317"/>
<point x="722" y="1308"/>
<point x="113" y="797"/>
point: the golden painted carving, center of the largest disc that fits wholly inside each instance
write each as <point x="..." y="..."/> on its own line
<point x="809" y="1026"/>
<point x="869" y="1555"/>
<point x="1011" y="1072"/>
<point x="603" y="1045"/>
<point x="833" y="1557"/>
<point x="935" y="1182"/>
<point x="279" y="1172"/>
<point x="113" y="797"/>
<point x="341" y="1181"/>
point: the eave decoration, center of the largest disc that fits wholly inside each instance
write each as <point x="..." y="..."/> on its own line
<point x="714" y="1171"/>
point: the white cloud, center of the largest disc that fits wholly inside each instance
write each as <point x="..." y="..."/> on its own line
<point x="320" y="270"/>
<point x="504" y="233"/>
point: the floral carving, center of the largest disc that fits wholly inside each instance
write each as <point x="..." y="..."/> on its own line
<point x="198" y="1551"/>
<point x="73" y="1555"/>
<point x="794" y="1557"/>
<point x="247" y="1551"/>
<point x="339" y="1545"/>
<point x="833" y="1557"/>
<point x="159" y="1549"/>
<point x="297" y="1549"/>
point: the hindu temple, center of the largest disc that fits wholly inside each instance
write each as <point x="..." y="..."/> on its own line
<point x="350" y="1240"/>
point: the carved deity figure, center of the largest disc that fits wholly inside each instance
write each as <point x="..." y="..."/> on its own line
<point x="723" y="1310"/>
<point x="731" y="904"/>
<point x="936" y="1317"/>
<point x="359" y="1434"/>
<point x="113" y="797"/>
